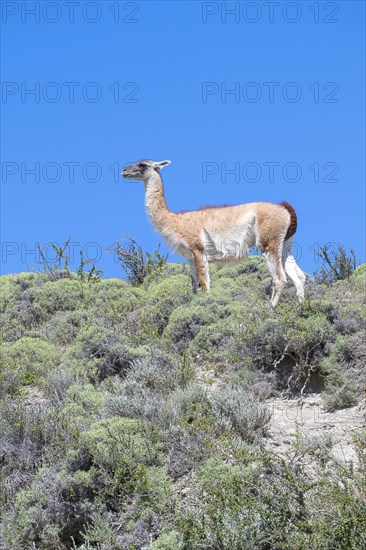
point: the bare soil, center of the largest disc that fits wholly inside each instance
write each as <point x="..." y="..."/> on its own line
<point x="306" y="418"/>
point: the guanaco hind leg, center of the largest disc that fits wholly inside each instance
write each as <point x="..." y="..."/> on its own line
<point x="292" y="269"/>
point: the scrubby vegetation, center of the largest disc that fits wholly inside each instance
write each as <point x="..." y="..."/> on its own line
<point x="135" y="262"/>
<point x="337" y="263"/>
<point x="110" y="440"/>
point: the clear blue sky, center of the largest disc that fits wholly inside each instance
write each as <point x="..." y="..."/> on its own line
<point x="297" y="76"/>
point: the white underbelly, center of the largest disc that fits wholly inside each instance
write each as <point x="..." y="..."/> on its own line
<point x="176" y="244"/>
<point x="230" y="246"/>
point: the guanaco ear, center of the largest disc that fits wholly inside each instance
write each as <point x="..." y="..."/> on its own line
<point x="161" y="164"/>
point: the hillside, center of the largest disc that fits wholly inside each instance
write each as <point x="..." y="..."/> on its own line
<point x="147" y="417"/>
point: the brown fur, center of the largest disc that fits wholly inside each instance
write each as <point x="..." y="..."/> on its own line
<point x="205" y="207"/>
<point x="293" y="220"/>
<point x="201" y="277"/>
<point x="271" y="219"/>
<point x="211" y="206"/>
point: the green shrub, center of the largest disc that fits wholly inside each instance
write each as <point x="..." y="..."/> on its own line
<point x="238" y="410"/>
<point x="165" y="272"/>
<point x="59" y="295"/>
<point x="121" y="443"/>
<point x="344" y="376"/>
<point x="160" y="372"/>
<point x="267" y="504"/>
<point x="168" y="541"/>
<point x="213" y="344"/>
<point x="28" y="359"/>
<point x="285" y="342"/>
<point x="165" y="296"/>
<point x="104" y="351"/>
<point x="128" y="398"/>
<point x="51" y="513"/>
<point x="9" y="292"/>
<point x="63" y="327"/>
<point x="82" y="406"/>
<point x="27" y="280"/>
<point x="253" y="265"/>
<point x="30" y="525"/>
<point x="98" y="532"/>
<point x="223" y="514"/>
<point x="147" y="385"/>
<point x="190" y="402"/>
<point x="357" y="286"/>
<point x="186" y="321"/>
<point x="152" y="488"/>
<point x="340" y="392"/>
<point x="216" y="472"/>
<point x="191" y="431"/>
<point x="20" y="315"/>
<point x="114" y="298"/>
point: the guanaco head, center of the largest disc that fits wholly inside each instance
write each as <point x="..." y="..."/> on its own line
<point x="143" y="169"/>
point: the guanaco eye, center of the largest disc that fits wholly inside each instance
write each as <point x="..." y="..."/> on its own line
<point x="143" y="165"/>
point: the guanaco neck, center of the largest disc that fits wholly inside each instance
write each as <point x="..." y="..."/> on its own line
<point x="156" y="206"/>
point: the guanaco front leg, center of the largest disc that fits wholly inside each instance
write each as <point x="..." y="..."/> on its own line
<point x="201" y="270"/>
